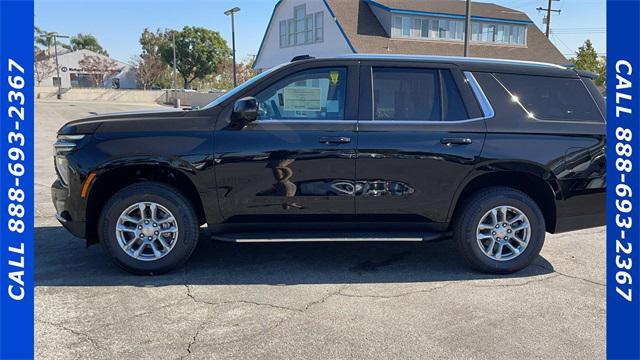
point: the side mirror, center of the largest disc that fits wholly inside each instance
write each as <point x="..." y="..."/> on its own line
<point x="245" y="111"/>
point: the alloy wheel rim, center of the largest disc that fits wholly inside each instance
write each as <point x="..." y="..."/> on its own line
<point x="147" y="231"/>
<point x="503" y="233"/>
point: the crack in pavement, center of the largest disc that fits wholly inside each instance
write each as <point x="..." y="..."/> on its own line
<point x="528" y="282"/>
<point x="293" y="311"/>
<point x="93" y="342"/>
<point x="397" y="295"/>
<point x="195" y="337"/>
<point x="570" y="276"/>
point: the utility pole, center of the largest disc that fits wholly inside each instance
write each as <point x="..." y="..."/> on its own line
<point x="176" y="100"/>
<point x="233" y="41"/>
<point x="55" y="50"/>
<point x="467" y="29"/>
<point x="549" y="9"/>
<point x="175" y="82"/>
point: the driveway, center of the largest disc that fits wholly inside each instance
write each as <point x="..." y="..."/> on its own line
<point x="308" y="300"/>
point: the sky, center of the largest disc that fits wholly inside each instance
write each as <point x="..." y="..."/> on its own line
<point x="117" y="24"/>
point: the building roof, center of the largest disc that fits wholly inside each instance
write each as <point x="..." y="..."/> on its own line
<point x="453" y="7"/>
<point x="363" y="29"/>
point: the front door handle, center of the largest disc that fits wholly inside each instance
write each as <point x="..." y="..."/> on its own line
<point x="455" y="141"/>
<point x="334" y="140"/>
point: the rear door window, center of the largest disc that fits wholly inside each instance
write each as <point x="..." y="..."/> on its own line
<point x="416" y="94"/>
<point x="552" y="98"/>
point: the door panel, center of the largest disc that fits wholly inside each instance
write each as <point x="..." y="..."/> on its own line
<point x="413" y="158"/>
<point x="420" y="173"/>
<point x="286" y="169"/>
<point x="297" y="161"/>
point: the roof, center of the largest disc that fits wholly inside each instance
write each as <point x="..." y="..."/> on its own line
<point x="454" y="7"/>
<point x="366" y="34"/>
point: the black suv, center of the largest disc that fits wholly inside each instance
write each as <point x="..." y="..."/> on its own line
<point x="360" y="148"/>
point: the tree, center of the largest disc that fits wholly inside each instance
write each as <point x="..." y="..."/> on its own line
<point x="43" y="41"/>
<point x="199" y="51"/>
<point x="149" y="69"/>
<point x="587" y="59"/>
<point x="151" y="42"/>
<point x="87" y="41"/>
<point x="244" y="71"/>
<point x="98" y="68"/>
<point x="43" y="68"/>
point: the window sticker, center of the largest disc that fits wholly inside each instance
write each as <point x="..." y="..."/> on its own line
<point x="302" y="99"/>
<point x="335" y="77"/>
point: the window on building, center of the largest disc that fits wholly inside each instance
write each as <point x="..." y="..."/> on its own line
<point x="283" y="33"/>
<point x="396" y="29"/>
<point x="425" y="28"/>
<point x="453" y="30"/>
<point x="56" y="81"/>
<point x="317" y="94"/>
<point x="552" y="98"/>
<point x="416" y="28"/>
<point x="302" y="29"/>
<point x="319" y="26"/>
<point x="406" y="26"/>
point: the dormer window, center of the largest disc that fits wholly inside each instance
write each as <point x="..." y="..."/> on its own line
<point x="302" y="29"/>
<point x="432" y="28"/>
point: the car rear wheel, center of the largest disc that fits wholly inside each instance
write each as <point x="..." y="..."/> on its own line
<point x="148" y="228"/>
<point x="499" y="230"/>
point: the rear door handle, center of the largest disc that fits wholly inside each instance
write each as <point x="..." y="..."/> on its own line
<point x="455" y="141"/>
<point x="335" y="140"/>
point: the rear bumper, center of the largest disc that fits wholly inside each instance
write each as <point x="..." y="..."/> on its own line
<point x="60" y="197"/>
<point x="581" y="211"/>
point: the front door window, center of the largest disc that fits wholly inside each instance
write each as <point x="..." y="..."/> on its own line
<point x="317" y="94"/>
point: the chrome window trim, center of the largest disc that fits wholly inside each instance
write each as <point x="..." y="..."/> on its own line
<point x="419" y="122"/>
<point x="301" y="121"/>
<point x="487" y="109"/>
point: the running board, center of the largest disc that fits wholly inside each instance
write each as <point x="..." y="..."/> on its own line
<point x="293" y="238"/>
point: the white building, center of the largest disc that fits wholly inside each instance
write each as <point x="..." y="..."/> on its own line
<point x="72" y="73"/>
<point x="324" y="28"/>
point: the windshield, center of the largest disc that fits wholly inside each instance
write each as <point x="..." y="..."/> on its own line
<point x="241" y="87"/>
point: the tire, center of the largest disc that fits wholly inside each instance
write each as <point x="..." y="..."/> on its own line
<point x="168" y="203"/>
<point x="469" y="234"/>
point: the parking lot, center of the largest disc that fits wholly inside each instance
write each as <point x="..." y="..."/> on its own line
<point x="307" y="300"/>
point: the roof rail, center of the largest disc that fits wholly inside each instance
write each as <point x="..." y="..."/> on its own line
<point x="302" y="57"/>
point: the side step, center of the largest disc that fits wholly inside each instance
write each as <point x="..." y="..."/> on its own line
<point x="314" y="236"/>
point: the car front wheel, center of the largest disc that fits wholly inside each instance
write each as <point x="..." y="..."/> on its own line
<point x="148" y="228"/>
<point x="499" y="230"/>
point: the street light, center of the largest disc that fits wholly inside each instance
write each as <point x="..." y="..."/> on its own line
<point x="233" y="41"/>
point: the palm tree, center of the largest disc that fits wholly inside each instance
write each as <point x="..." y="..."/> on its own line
<point x="44" y="41"/>
<point x="87" y="41"/>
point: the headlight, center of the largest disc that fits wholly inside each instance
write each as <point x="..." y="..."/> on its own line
<point x="62" y="167"/>
<point x="63" y="145"/>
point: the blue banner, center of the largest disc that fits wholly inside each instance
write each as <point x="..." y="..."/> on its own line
<point x="16" y="179"/>
<point x="623" y="180"/>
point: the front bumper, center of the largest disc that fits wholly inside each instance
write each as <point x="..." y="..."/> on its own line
<point x="60" y="197"/>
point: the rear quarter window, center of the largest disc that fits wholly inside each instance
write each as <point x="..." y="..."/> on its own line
<point x="552" y="98"/>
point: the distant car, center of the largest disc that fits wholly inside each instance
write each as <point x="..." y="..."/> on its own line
<point x="360" y="147"/>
